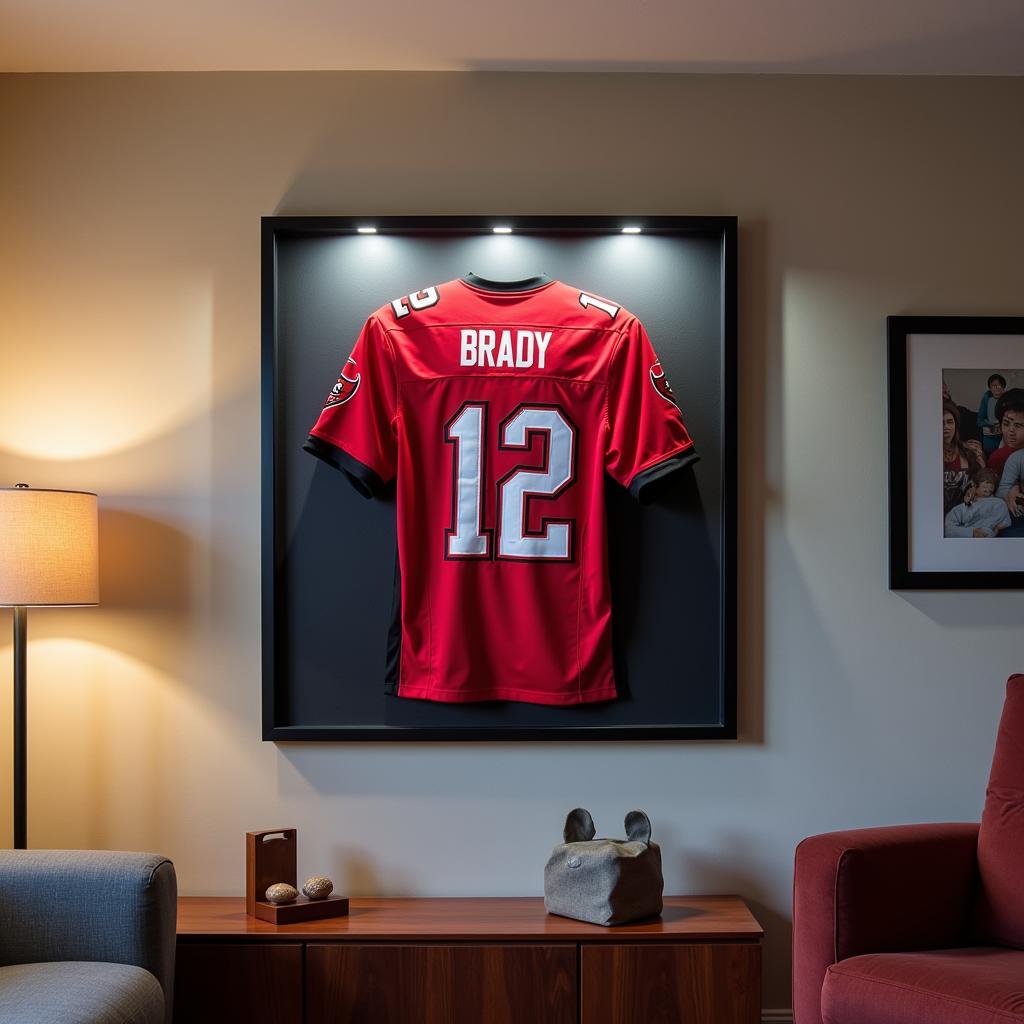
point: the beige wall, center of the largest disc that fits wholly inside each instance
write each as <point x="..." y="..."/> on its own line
<point x="129" y="341"/>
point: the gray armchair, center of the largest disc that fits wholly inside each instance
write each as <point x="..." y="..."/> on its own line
<point x="86" y="937"/>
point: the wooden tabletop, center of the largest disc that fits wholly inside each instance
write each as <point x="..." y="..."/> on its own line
<point x="503" y="919"/>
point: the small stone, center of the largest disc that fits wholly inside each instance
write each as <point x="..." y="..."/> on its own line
<point x="281" y="892"/>
<point x="318" y="887"/>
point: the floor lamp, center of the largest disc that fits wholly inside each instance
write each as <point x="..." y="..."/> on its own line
<point x="48" y="558"/>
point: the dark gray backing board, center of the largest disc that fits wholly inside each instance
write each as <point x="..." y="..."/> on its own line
<point x="329" y="554"/>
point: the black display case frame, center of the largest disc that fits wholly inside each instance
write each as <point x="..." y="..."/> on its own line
<point x="280" y="677"/>
<point x="972" y="331"/>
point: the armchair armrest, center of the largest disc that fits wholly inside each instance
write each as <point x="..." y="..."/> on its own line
<point x="878" y="890"/>
<point x="89" y="905"/>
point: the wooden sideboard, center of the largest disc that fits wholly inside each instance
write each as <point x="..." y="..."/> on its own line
<point x="468" y="961"/>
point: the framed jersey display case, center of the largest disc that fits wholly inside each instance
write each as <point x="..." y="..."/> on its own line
<point x="499" y="478"/>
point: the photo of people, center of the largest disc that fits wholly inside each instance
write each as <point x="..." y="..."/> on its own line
<point x="983" y="453"/>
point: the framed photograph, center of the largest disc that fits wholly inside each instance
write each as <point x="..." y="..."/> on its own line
<point x="956" y="452"/>
<point x="549" y="547"/>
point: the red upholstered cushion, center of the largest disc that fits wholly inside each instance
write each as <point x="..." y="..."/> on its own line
<point x="999" y="916"/>
<point x="980" y="985"/>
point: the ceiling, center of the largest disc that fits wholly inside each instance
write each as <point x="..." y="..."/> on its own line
<point x="870" y="37"/>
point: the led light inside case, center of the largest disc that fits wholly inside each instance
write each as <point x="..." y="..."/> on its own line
<point x="632" y="229"/>
<point x="502" y="230"/>
<point x="368" y="230"/>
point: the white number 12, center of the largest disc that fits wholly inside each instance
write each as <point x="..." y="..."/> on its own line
<point x="467" y="537"/>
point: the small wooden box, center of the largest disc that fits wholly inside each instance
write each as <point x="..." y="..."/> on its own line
<point x="270" y="856"/>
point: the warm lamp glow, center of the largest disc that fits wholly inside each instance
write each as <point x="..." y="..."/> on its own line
<point x="62" y="330"/>
<point x="48" y="547"/>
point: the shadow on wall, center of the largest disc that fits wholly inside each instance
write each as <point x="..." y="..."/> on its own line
<point x="759" y="348"/>
<point x="970" y="609"/>
<point x="148" y="564"/>
<point x="355" y="872"/>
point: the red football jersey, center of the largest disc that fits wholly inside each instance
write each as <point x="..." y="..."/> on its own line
<point x="497" y="413"/>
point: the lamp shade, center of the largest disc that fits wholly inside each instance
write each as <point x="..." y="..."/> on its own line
<point x="48" y="547"/>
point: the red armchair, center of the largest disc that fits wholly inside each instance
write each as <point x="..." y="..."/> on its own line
<point x="918" y="924"/>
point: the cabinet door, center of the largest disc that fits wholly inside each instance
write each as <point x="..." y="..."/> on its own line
<point x="458" y="984"/>
<point x="665" y="984"/>
<point x="259" y="983"/>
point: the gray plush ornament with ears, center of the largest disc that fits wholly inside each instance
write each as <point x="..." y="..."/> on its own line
<point x="604" y="881"/>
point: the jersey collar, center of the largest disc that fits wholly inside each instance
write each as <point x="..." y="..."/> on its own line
<point x="527" y="284"/>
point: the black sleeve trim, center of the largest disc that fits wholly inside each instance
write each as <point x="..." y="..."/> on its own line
<point x="360" y="476"/>
<point x="661" y="469"/>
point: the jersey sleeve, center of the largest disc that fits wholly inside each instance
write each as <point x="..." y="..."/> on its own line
<point x="355" y="432"/>
<point x="647" y="438"/>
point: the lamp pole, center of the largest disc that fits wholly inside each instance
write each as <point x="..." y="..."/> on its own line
<point x="20" y="729"/>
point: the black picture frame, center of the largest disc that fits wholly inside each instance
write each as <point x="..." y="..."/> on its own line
<point x="901" y="574"/>
<point x="277" y="724"/>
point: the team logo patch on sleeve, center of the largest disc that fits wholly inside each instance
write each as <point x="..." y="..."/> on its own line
<point x="661" y="384"/>
<point x="344" y="389"/>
